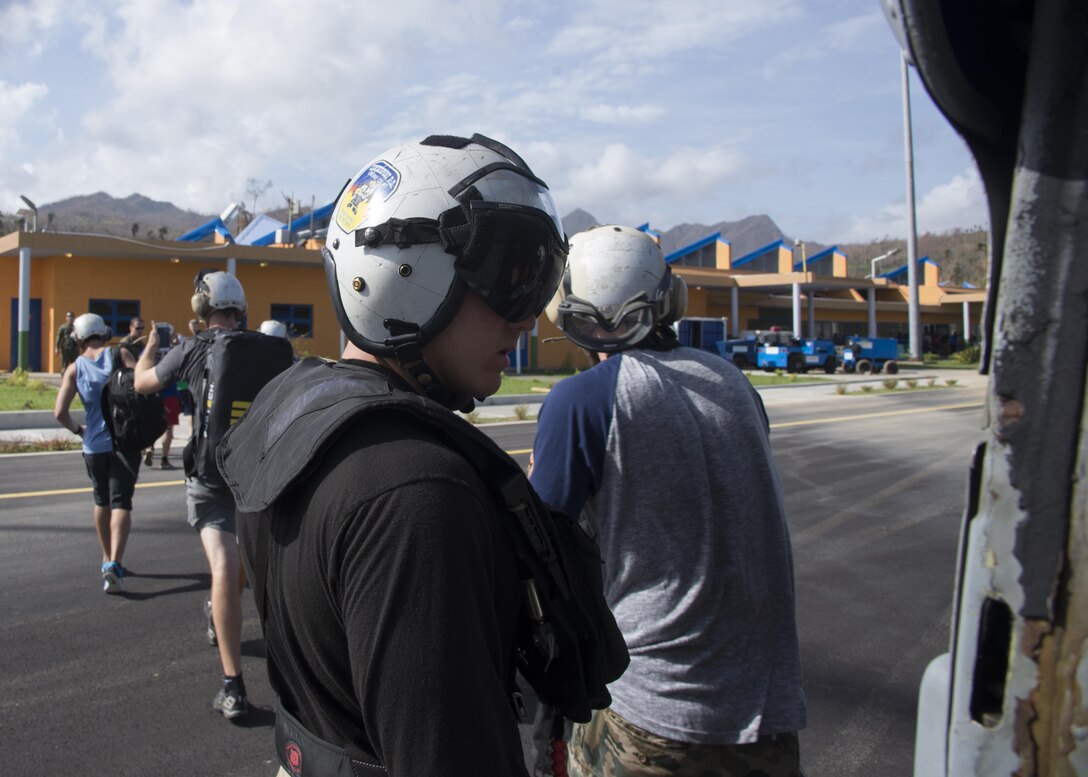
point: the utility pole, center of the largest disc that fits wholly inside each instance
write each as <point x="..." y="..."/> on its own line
<point x="914" y="325"/>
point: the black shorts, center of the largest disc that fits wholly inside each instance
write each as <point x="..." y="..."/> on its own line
<point x="113" y="482"/>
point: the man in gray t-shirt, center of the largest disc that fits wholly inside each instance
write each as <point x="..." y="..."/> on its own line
<point x="665" y="450"/>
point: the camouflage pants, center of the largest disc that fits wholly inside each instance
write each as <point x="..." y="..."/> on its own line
<point x="609" y="746"/>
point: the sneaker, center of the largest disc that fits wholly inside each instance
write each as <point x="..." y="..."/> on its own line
<point x="231" y="702"/>
<point x="165" y="464"/>
<point x="211" y="626"/>
<point x="113" y="578"/>
<point x="147" y="457"/>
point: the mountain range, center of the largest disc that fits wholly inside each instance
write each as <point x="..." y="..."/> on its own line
<point x="960" y="253"/>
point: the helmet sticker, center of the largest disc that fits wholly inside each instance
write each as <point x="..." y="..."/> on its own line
<point x="375" y="184"/>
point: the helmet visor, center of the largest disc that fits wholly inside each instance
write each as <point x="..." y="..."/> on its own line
<point x="513" y="256"/>
<point x="586" y="326"/>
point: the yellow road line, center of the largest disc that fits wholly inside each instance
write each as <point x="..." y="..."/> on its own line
<point x="163" y="484"/>
<point x="523" y="451"/>
<point x="62" y="491"/>
<point x="882" y="414"/>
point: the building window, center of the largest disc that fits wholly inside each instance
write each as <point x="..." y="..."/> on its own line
<point x="298" y="318"/>
<point x="116" y="313"/>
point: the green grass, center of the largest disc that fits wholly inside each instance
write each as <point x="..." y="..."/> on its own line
<point x="771" y="379"/>
<point x="21" y="445"/>
<point x="18" y="392"/>
<point x="521" y="384"/>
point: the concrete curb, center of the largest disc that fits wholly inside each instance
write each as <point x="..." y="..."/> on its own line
<point x="14" y="420"/>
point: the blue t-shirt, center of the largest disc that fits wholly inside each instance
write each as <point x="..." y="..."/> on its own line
<point x="667" y="455"/>
<point x="92" y="376"/>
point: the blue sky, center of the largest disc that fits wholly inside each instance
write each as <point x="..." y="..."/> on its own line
<point x="636" y="111"/>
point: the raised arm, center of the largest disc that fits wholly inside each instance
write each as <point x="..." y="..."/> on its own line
<point x="146" y="381"/>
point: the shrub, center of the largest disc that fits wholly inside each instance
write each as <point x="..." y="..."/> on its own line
<point x="794" y="377"/>
<point x="890" y="383"/>
<point x="951" y="381"/>
<point x="522" y="412"/>
<point x="778" y="373"/>
<point x="867" y="388"/>
<point x="912" y="383"/>
<point x="931" y="382"/>
<point x="841" y="388"/>
<point x="969" y="355"/>
<point x="929" y="358"/>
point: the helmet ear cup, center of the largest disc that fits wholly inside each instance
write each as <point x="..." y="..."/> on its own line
<point x="677" y="301"/>
<point x="199" y="303"/>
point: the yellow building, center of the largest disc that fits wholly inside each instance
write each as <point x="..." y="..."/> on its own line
<point x="120" y="278"/>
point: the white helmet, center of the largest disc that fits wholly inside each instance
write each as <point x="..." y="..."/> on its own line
<point x="90" y="325"/>
<point x="423" y="223"/>
<point x="273" y="328"/>
<point x="217" y="290"/>
<point x="617" y="290"/>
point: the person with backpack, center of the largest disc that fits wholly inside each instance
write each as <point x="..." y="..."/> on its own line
<point x="112" y="470"/>
<point x="224" y="368"/>
<point x="402" y="566"/>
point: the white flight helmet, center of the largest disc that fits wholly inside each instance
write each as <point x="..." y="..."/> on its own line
<point x="423" y="223"/>
<point x="217" y="290"/>
<point x="90" y="325"/>
<point x="273" y="328"/>
<point x="617" y="291"/>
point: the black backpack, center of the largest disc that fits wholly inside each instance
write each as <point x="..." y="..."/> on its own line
<point x="237" y="366"/>
<point x="134" y="420"/>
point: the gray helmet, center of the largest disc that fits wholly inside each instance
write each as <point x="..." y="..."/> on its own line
<point x="90" y="325"/>
<point x="617" y="290"/>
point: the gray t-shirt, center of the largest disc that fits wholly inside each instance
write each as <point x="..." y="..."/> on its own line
<point x="668" y="453"/>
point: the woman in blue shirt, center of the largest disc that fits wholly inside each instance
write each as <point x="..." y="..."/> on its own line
<point x="113" y="474"/>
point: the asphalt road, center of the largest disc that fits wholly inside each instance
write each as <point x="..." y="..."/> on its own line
<point x="122" y="685"/>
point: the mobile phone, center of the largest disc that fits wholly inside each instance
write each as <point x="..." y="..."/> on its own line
<point x="166" y="334"/>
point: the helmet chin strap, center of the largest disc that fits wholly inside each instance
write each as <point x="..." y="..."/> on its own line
<point x="409" y="355"/>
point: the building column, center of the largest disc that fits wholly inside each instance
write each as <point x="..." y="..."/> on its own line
<point x="23" y="357"/>
<point x="872" y="311"/>
<point x="796" y="310"/>
<point x="811" y="314"/>
<point x="232" y="266"/>
<point x="734" y="313"/>
<point x="966" y="323"/>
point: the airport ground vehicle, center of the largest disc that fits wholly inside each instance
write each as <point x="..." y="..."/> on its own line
<point x="1011" y="695"/>
<point x="871" y="354"/>
<point x="798" y="356"/>
<point x="744" y="350"/>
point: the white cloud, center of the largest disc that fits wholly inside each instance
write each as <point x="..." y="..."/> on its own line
<point x="628" y="185"/>
<point x="623" y="114"/>
<point x="23" y="24"/>
<point x="16" y="103"/>
<point x="831" y="40"/>
<point x="959" y="202"/>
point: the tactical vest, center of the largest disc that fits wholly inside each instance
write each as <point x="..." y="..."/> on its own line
<point x="568" y="646"/>
<point x="237" y="366"/>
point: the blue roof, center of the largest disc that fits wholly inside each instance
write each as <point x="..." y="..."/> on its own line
<point x="825" y="254"/>
<point x="320" y="216"/>
<point x="692" y="248"/>
<point x="902" y="270"/>
<point x="751" y="257"/>
<point x="204" y="230"/>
